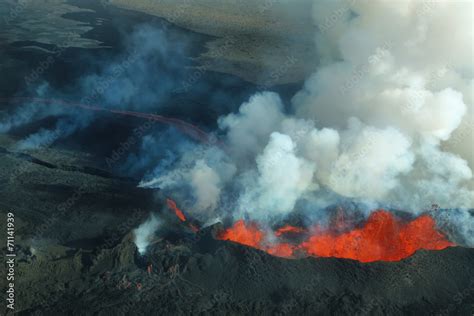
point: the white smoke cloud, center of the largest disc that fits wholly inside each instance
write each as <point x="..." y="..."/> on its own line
<point x="459" y="222"/>
<point x="206" y="186"/>
<point x="395" y="66"/>
<point x="199" y="172"/>
<point x="249" y="130"/>
<point x="368" y="165"/>
<point x="281" y="180"/>
<point x="144" y="233"/>
<point x="386" y="119"/>
<point x="28" y="112"/>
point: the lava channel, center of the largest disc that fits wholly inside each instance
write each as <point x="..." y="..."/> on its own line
<point x="383" y="237"/>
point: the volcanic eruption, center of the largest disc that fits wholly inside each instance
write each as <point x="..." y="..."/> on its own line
<point x="377" y="124"/>
<point x="300" y="157"/>
<point x="383" y="237"/>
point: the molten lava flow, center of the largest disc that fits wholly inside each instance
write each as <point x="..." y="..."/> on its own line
<point x="179" y="214"/>
<point x="383" y="237"/>
<point x="242" y="233"/>
<point x="288" y="229"/>
<point x="177" y="211"/>
<point x="284" y="250"/>
<point x="251" y="235"/>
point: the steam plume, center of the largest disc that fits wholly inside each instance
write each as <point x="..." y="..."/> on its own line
<point x="375" y="123"/>
<point x="144" y="233"/>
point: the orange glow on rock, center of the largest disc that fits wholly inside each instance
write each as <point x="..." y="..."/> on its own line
<point x="383" y="237"/>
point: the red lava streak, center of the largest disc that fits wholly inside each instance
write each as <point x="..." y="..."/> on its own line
<point x="177" y="211"/>
<point x="180" y="215"/>
<point x="187" y="128"/>
<point x="383" y="237"/>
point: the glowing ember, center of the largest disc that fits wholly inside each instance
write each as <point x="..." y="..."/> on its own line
<point x="383" y="237"/>
<point x="177" y="211"/>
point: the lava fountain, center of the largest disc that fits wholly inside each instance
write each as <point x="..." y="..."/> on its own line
<point x="383" y="237"/>
<point x="180" y="215"/>
<point x="172" y="205"/>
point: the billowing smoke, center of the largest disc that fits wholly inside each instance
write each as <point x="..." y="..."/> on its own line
<point x="386" y="120"/>
<point x="281" y="179"/>
<point x="145" y="232"/>
<point x="396" y="67"/>
<point x="193" y="174"/>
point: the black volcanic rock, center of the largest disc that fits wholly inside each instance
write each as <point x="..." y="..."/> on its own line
<point x="208" y="276"/>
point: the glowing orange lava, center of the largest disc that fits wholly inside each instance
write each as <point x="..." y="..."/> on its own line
<point x="383" y="237"/>
<point x="288" y="229"/>
<point x="177" y="211"/>
<point x="193" y="226"/>
<point x="245" y="234"/>
<point x="284" y="250"/>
